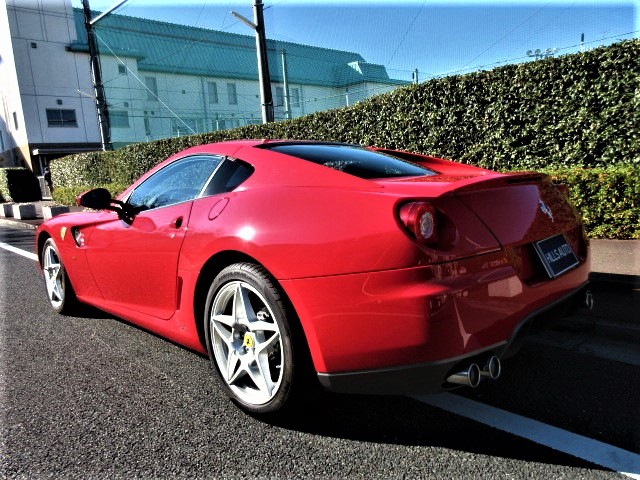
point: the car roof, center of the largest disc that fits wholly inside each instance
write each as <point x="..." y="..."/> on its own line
<point x="273" y="168"/>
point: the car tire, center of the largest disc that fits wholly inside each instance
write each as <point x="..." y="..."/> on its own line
<point x="248" y="328"/>
<point x="60" y="292"/>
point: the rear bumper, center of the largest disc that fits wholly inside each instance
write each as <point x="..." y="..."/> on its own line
<point x="430" y="377"/>
<point x="402" y="331"/>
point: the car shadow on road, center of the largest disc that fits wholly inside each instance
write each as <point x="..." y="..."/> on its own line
<point x="82" y="310"/>
<point x="575" y="397"/>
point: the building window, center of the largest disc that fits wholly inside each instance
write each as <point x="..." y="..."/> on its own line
<point x="213" y="92"/>
<point x="1" y="142"/>
<point x="231" y="91"/>
<point x="119" y="118"/>
<point x="147" y="126"/>
<point x="279" y="97"/>
<point x="122" y="69"/>
<point x="295" y="97"/>
<point x="183" y="126"/>
<point x="57" y="117"/>
<point x="152" y="88"/>
<point x="15" y="120"/>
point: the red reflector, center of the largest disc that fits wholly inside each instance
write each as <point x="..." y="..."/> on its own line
<point x="421" y="220"/>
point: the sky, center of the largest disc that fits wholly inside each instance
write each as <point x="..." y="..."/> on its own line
<point x="436" y="37"/>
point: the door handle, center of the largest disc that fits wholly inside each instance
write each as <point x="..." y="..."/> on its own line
<point x="177" y="223"/>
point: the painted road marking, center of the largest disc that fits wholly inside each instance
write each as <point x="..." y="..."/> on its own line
<point x="19" y="251"/>
<point x="614" y="458"/>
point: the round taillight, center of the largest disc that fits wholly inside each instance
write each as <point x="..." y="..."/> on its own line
<point x="427" y="225"/>
<point x="421" y="220"/>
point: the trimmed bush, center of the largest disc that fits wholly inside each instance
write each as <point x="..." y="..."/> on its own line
<point x="68" y="195"/>
<point x="81" y="169"/>
<point x="607" y="198"/>
<point x="18" y="184"/>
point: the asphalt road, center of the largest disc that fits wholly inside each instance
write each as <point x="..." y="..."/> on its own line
<point x="94" y="397"/>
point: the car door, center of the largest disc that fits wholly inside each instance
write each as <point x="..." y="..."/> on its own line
<point x="135" y="261"/>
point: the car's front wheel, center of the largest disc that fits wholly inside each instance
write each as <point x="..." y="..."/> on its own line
<point x="59" y="290"/>
<point x="249" y="338"/>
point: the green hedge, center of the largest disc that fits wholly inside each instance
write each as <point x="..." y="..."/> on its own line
<point x="18" y="184"/>
<point x="81" y="169"/>
<point x="607" y="198"/>
<point x="68" y="195"/>
<point x="578" y="110"/>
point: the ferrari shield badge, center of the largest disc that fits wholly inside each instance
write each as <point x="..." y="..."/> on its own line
<point x="63" y="232"/>
<point x="544" y="208"/>
<point x="248" y="341"/>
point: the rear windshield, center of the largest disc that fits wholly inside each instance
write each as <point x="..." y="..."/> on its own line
<point x="353" y="160"/>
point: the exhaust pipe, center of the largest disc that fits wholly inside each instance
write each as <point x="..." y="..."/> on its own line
<point x="469" y="377"/>
<point x="492" y="369"/>
<point x="588" y="300"/>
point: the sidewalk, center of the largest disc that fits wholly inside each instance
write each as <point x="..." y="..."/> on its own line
<point x="612" y="261"/>
<point x="32" y="224"/>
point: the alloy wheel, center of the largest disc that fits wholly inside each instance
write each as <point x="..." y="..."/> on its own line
<point x="247" y="343"/>
<point x="53" y="276"/>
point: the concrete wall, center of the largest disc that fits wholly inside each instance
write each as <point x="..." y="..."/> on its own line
<point x="12" y="125"/>
<point x="45" y="75"/>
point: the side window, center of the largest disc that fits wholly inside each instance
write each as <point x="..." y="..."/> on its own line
<point x="228" y="177"/>
<point x="179" y="181"/>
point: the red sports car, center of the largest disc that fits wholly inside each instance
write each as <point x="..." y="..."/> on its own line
<point x="375" y="271"/>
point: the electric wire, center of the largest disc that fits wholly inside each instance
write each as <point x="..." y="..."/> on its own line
<point x="140" y="81"/>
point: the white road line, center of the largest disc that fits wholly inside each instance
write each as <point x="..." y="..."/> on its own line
<point x="614" y="458"/>
<point x="19" y="251"/>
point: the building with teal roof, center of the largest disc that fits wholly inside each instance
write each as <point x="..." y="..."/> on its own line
<point x="164" y="79"/>
<point x="161" y="80"/>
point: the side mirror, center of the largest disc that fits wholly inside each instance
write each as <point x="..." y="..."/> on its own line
<point x="98" y="199"/>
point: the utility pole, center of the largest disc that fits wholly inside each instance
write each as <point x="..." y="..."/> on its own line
<point x="285" y="86"/>
<point x="263" y="65"/>
<point x="96" y="77"/>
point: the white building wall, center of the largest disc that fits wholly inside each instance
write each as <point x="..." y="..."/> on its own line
<point x="361" y="91"/>
<point x="12" y="136"/>
<point x="48" y="76"/>
<point x="315" y="98"/>
<point x="124" y="95"/>
<point x="184" y="105"/>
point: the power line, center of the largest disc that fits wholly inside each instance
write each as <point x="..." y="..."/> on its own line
<point x="524" y="57"/>
<point x="508" y="33"/>
<point x="196" y="24"/>
<point x="140" y="81"/>
<point x="407" y="32"/>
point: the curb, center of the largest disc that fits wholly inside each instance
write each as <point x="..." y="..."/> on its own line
<point x="17" y="224"/>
